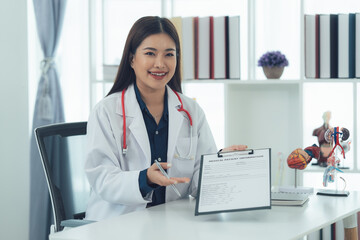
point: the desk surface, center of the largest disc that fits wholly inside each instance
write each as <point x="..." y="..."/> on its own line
<point x="176" y="220"/>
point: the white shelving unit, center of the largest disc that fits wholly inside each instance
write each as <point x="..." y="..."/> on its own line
<point x="261" y="113"/>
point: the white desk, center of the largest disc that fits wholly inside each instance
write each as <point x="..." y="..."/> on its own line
<point x="176" y="220"/>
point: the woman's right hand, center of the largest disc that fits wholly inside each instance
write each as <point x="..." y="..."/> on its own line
<point x="155" y="176"/>
<point x="235" y="148"/>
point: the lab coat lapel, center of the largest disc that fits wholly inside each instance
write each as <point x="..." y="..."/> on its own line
<point x="175" y="122"/>
<point x="135" y="122"/>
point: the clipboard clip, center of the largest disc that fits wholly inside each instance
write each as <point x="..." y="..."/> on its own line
<point x="243" y="152"/>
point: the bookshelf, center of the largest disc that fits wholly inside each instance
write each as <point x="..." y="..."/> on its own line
<point x="268" y="98"/>
<point x="269" y="113"/>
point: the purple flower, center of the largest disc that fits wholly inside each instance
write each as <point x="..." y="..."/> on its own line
<point x="273" y="59"/>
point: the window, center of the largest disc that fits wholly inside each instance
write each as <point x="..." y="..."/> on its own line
<point x="72" y="61"/>
<point x="110" y="23"/>
<point x="117" y="21"/>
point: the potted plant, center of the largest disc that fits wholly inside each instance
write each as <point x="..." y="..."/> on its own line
<point x="273" y="64"/>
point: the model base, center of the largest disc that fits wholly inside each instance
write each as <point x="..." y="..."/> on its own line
<point x="334" y="193"/>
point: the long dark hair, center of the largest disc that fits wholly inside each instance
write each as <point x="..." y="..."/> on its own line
<point x="141" y="29"/>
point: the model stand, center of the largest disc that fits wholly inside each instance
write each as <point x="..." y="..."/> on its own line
<point x="331" y="171"/>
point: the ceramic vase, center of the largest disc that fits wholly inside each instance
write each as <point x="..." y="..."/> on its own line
<point x="273" y="72"/>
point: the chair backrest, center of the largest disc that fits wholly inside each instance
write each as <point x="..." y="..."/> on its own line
<point x="62" y="151"/>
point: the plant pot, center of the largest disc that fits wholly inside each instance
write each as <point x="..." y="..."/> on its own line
<point x="273" y="72"/>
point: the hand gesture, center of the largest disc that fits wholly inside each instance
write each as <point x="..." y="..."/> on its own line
<point x="155" y="176"/>
<point x="235" y="148"/>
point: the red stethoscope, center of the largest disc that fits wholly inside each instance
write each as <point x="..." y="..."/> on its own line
<point x="180" y="109"/>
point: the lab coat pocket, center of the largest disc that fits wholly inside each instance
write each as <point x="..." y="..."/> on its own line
<point x="184" y="158"/>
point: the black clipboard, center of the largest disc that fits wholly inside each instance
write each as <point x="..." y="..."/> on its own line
<point x="234" y="181"/>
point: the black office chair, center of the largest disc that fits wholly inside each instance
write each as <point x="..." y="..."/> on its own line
<point x="62" y="151"/>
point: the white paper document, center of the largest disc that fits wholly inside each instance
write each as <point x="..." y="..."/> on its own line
<point x="234" y="181"/>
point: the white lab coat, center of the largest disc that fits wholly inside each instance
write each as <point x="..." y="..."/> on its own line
<point x="113" y="176"/>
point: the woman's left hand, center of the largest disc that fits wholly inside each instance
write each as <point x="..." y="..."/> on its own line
<point x="235" y="148"/>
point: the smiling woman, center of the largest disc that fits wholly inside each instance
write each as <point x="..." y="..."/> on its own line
<point x="151" y="43"/>
<point x="144" y="122"/>
<point x="154" y="63"/>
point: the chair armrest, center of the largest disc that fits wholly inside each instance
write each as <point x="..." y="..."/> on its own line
<point x="75" y="222"/>
<point x="79" y="215"/>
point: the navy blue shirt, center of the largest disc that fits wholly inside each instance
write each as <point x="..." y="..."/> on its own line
<point x="158" y="139"/>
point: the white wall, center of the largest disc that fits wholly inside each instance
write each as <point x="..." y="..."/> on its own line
<point x="14" y="130"/>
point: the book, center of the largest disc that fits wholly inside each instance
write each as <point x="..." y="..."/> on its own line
<point x="227" y="69"/>
<point x="317" y="46"/>
<point x="234" y="47"/>
<point x="177" y="21"/>
<point x="357" y="45"/>
<point x="204" y="47"/>
<point x="334" y="46"/>
<point x="324" y="24"/>
<point x="196" y="47"/>
<point x="288" y="199"/>
<point x="352" y="39"/>
<point x="187" y="35"/>
<point x="219" y="48"/>
<point x="346" y="45"/>
<point x="211" y="47"/>
<point x="310" y="46"/>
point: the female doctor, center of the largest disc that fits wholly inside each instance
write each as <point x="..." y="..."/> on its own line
<point x="144" y="119"/>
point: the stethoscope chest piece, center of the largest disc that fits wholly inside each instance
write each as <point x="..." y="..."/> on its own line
<point x="124" y="151"/>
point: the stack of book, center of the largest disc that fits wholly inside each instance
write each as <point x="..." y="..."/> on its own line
<point x="210" y="46"/>
<point x="288" y="199"/>
<point x="332" y="45"/>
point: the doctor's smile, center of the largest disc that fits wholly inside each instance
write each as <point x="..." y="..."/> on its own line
<point x="158" y="75"/>
<point x="154" y="60"/>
